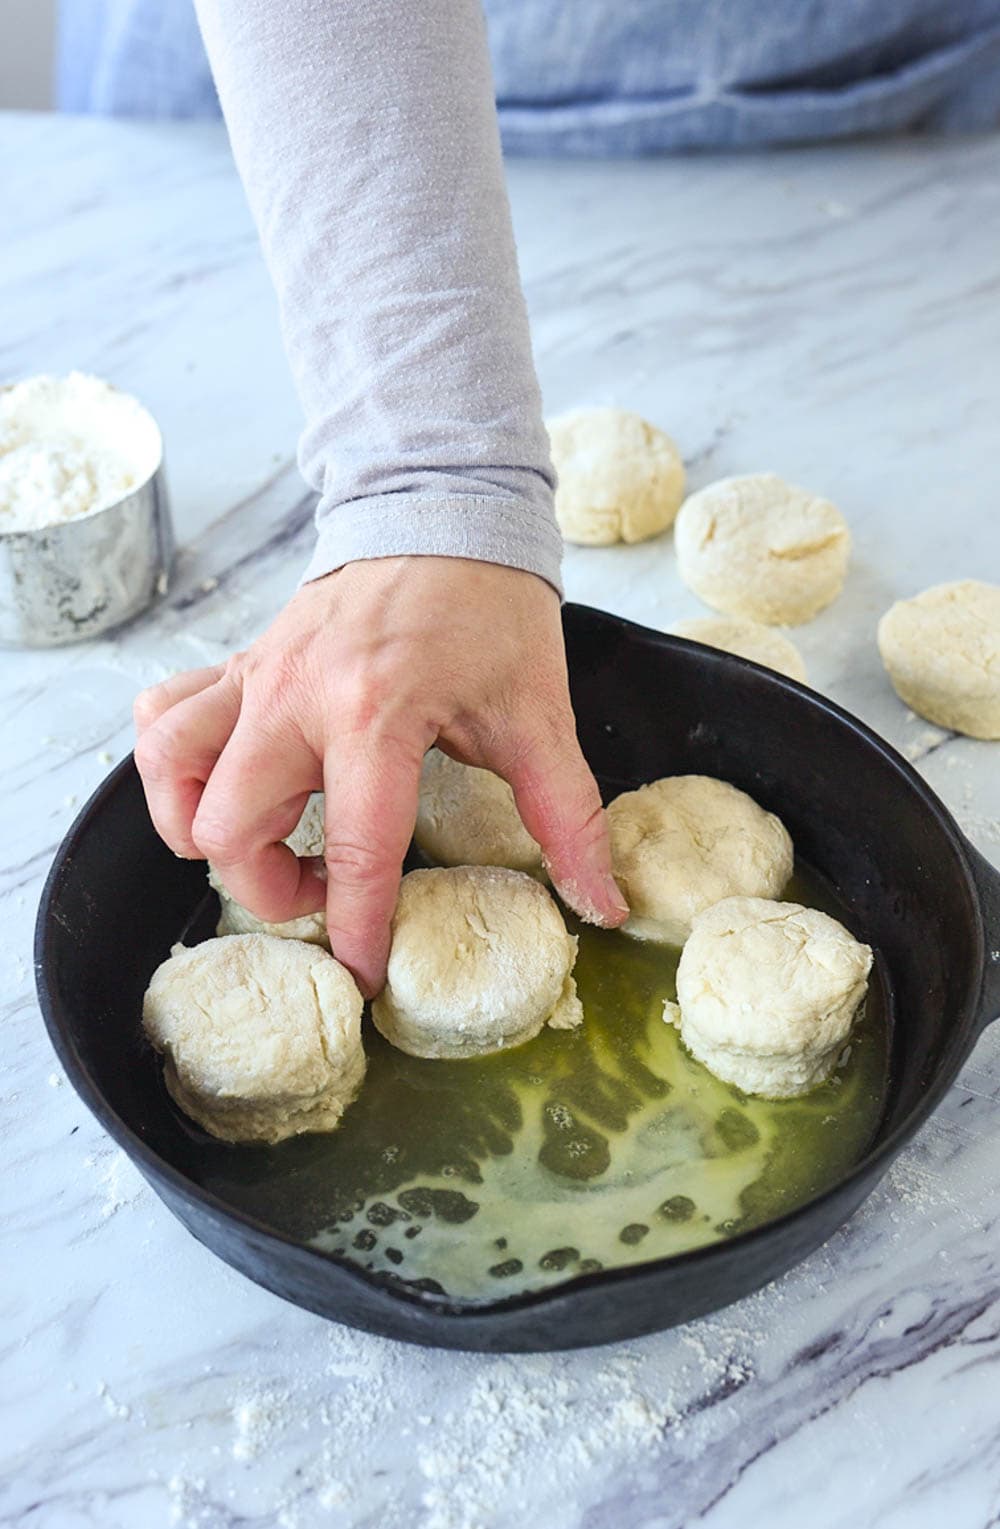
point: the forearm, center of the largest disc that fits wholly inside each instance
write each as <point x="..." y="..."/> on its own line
<point x="367" y="141"/>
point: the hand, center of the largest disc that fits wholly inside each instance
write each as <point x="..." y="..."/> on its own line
<point x="360" y="674"/>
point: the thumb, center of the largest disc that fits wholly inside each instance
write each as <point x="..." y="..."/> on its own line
<point x="560" y="806"/>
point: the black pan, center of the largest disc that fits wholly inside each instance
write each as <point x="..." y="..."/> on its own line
<point x="647" y="705"/>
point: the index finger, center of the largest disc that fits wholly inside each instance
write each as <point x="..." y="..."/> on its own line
<point x="371" y="807"/>
<point x="254" y="797"/>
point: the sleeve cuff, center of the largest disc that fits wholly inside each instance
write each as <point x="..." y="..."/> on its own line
<point x="487" y="529"/>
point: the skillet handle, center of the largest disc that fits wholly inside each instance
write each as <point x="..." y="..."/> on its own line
<point x="987" y="879"/>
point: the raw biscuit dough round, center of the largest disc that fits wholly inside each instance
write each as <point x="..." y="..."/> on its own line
<point x="747" y="639"/>
<point x="767" y="993"/>
<point x="620" y="478"/>
<point x="306" y="840"/>
<point x="261" y="1037"/>
<point x="467" y="816"/>
<point x="682" y="843"/>
<point x="480" y="961"/>
<point x="942" y="653"/>
<point x="760" y="548"/>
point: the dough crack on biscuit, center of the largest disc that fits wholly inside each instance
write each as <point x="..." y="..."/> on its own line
<point x="801" y="545"/>
<point x="480" y="960"/>
<point x="261" y="1036"/>
<point x="686" y="841"/>
<point x="767" y="993"/>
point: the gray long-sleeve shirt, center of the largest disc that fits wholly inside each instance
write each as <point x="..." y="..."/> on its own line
<point x="367" y="140"/>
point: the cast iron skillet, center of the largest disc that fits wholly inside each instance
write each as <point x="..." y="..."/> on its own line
<point x="647" y="705"/>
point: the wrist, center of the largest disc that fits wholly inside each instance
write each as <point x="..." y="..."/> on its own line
<point x="509" y="532"/>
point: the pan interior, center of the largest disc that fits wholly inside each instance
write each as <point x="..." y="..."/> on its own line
<point x="599" y="1147"/>
<point x="646" y="706"/>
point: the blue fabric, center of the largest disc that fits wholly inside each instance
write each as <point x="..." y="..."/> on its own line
<point x="624" y="77"/>
<point x="133" y="58"/>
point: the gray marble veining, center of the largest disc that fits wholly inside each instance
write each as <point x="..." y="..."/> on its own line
<point x="833" y="315"/>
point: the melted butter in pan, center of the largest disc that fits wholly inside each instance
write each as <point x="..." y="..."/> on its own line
<point x="598" y="1147"/>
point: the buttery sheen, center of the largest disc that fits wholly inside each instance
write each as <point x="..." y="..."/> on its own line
<point x="602" y="1146"/>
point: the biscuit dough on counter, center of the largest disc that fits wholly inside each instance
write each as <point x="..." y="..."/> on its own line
<point x="942" y="653"/>
<point x="747" y="639"/>
<point x="762" y="549"/>
<point x="620" y="478"/>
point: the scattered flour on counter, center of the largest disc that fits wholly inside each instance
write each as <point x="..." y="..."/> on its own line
<point x="70" y="446"/>
<point x="112" y="1406"/>
<point x="978" y="826"/>
<point x="913" y="1183"/>
<point x="720" y="1360"/>
<point x="189" y="1503"/>
<point x="120" y="1183"/>
<point x="373" y="1432"/>
<point x="931" y="738"/>
<point x="502" y="1421"/>
<point x="258" y="1417"/>
<point x="517" y="1410"/>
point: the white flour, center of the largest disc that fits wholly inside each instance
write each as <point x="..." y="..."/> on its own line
<point x="258" y="1417"/>
<point x="492" y="1424"/>
<point x="70" y="446"/>
<point x="120" y="1183"/>
<point x="490" y="1446"/>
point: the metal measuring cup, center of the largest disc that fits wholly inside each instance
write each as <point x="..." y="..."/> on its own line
<point x="74" y="579"/>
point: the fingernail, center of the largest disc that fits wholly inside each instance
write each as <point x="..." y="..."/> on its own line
<point x="370" y="986"/>
<point x="614" y="894"/>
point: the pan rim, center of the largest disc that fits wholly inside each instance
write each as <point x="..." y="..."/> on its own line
<point x="870" y="1166"/>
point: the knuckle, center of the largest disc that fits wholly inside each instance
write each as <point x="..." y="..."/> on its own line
<point x="282" y="674"/>
<point x="145" y="707"/>
<point x="592" y="826"/>
<point x="218" y="840"/>
<point x="583" y="789"/>
<point x="578" y="812"/>
<point x="360" y="865"/>
<point x="272" y="907"/>
<point x="278" y="699"/>
<point x="272" y="668"/>
<point x="361" y="700"/>
<point x="154" y="755"/>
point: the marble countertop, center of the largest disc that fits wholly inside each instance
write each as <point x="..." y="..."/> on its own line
<point x="833" y="315"/>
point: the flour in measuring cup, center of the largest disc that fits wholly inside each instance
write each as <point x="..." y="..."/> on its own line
<point x="70" y="446"/>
